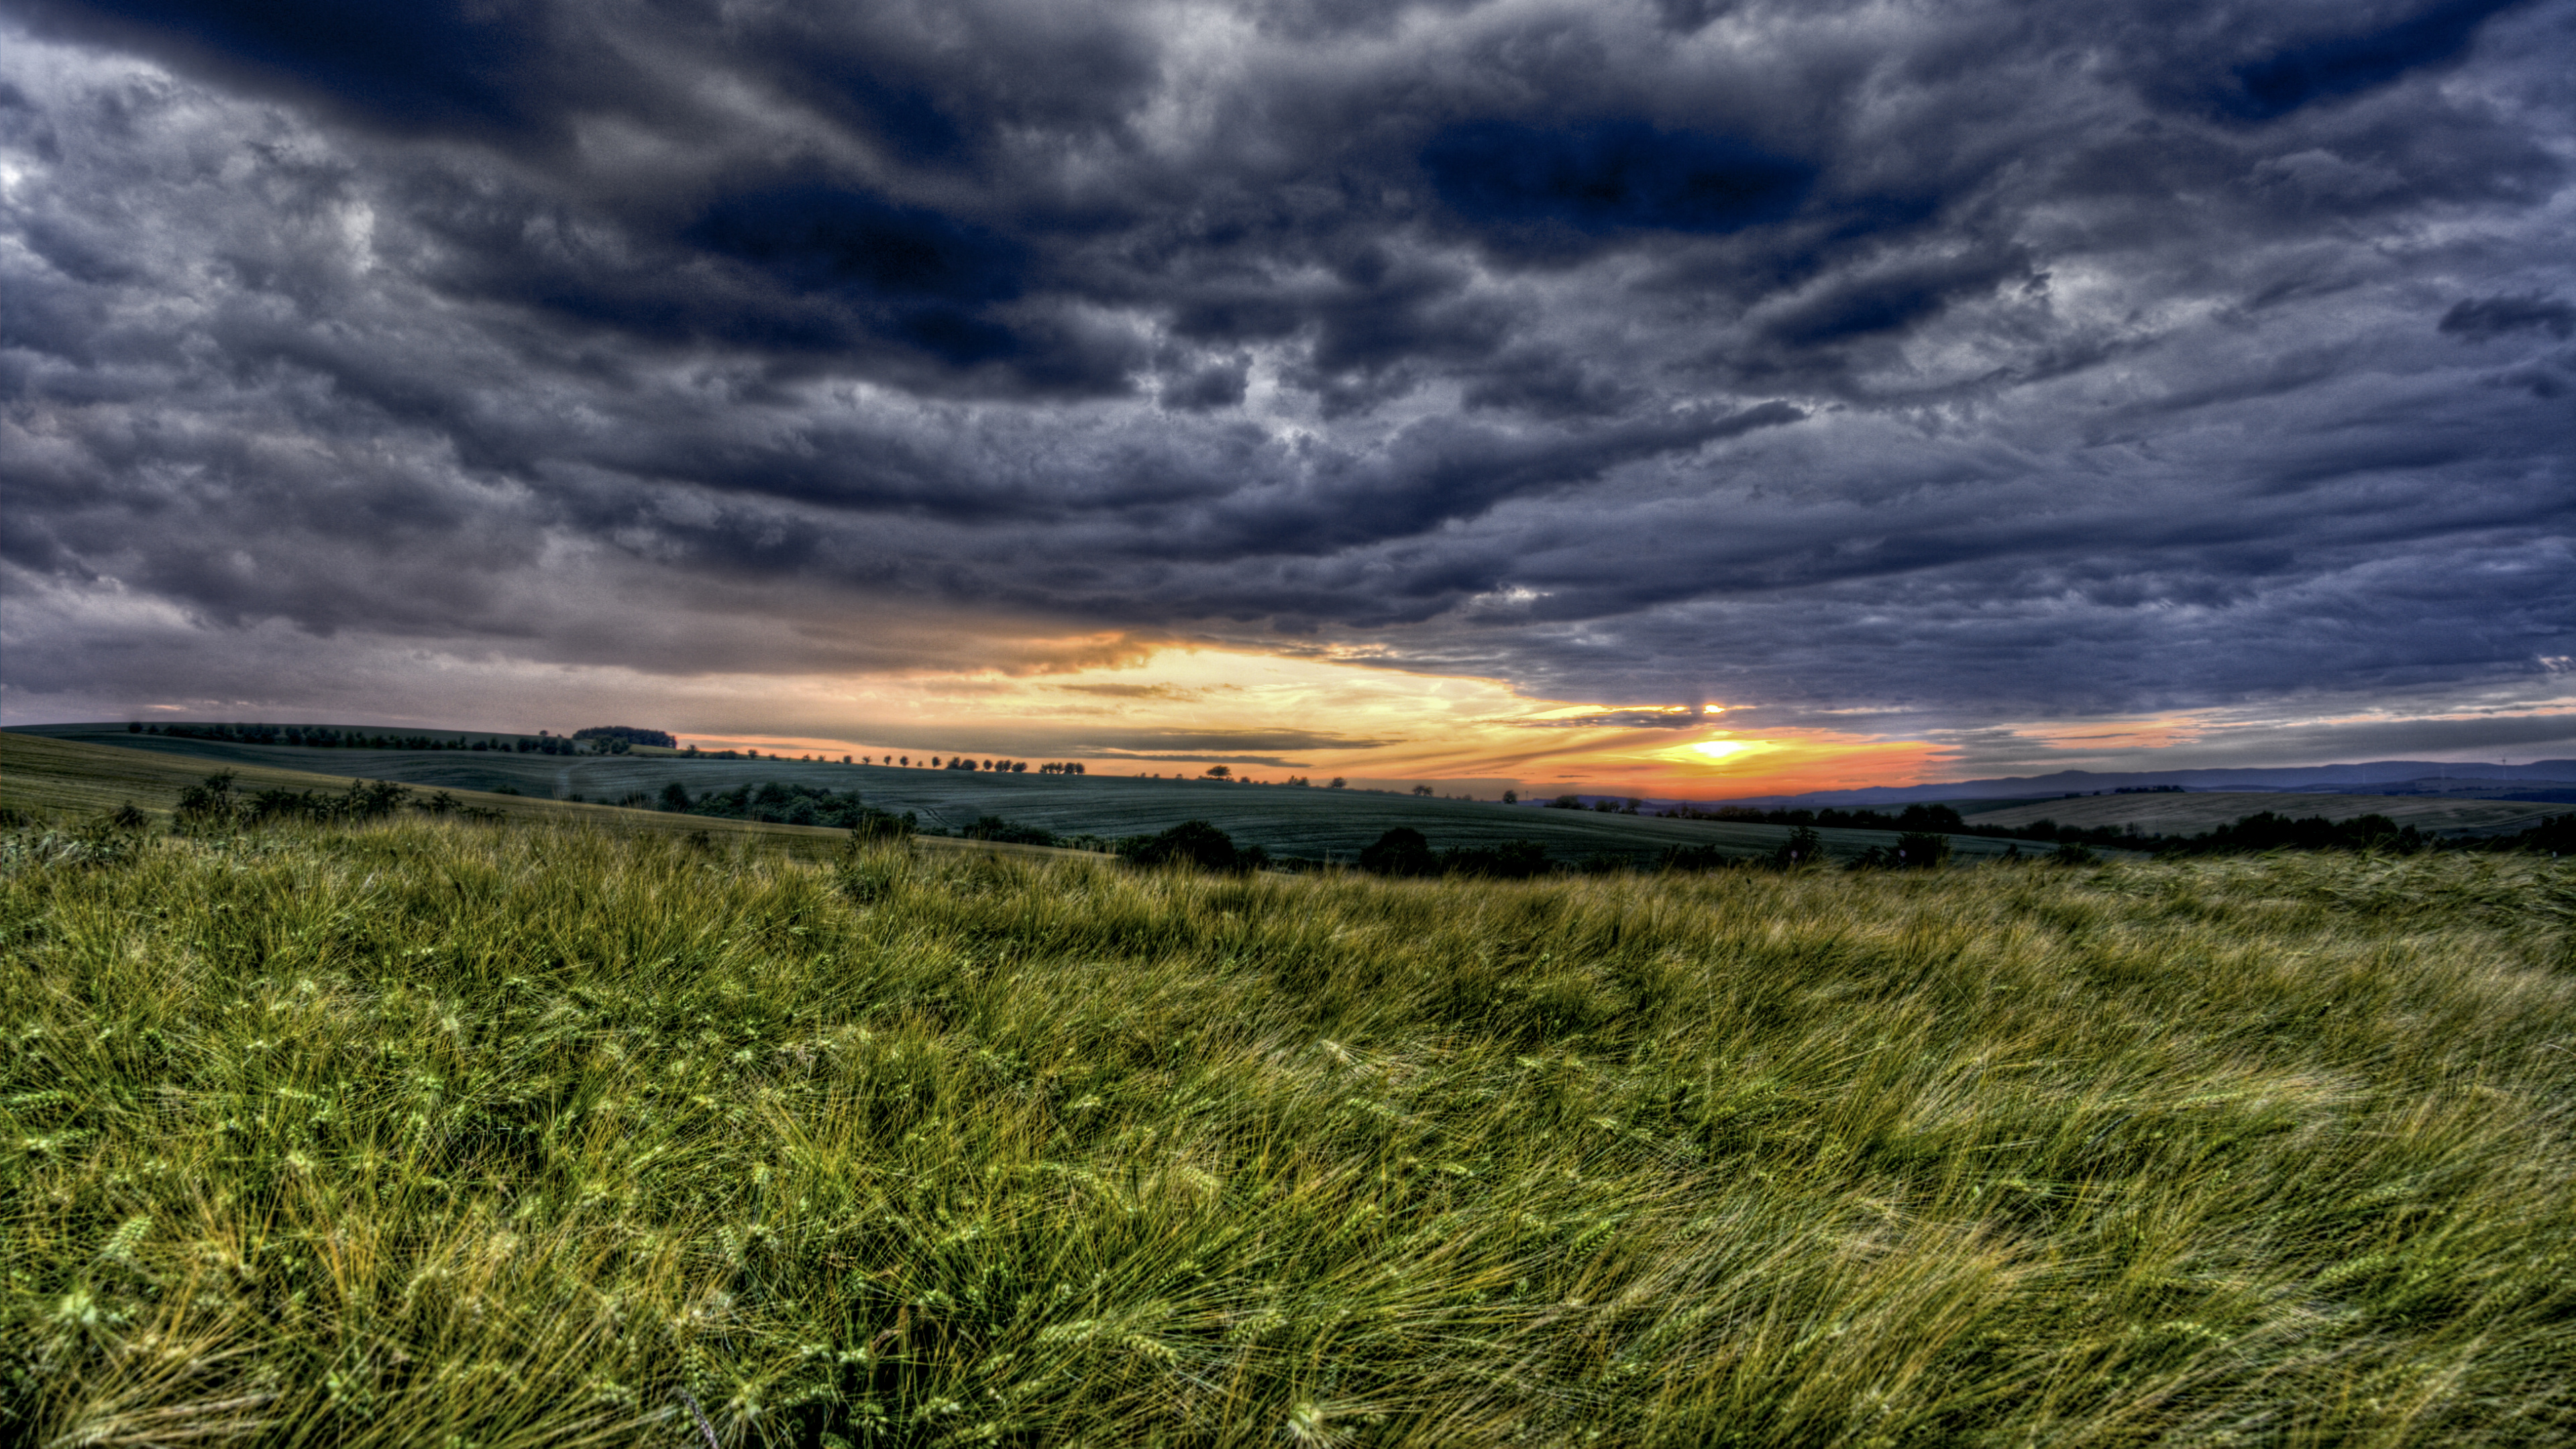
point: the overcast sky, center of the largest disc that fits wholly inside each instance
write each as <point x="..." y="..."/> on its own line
<point x="1983" y="379"/>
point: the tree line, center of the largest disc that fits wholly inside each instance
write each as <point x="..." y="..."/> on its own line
<point x="2250" y="835"/>
<point x="777" y="803"/>
<point x="604" y="741"/>
<point x="213" y="804"/>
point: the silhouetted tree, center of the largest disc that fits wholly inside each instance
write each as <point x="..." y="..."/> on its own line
<point x="1401" y="851"/>
<point x="1192" y="842"/>
<point x="1511" y="860"/>
<point x="1803" y="847"/>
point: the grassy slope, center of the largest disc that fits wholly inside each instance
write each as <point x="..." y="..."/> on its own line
<point x="418" y="1130"/>
<point x="1288" y="821"/>
<point x="2195" y="813"/>
<point x="41" y="775"/>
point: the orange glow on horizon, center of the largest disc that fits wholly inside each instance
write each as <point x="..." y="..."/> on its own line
<point x="1178" y="710"/>
<point x="1174" y="710"/>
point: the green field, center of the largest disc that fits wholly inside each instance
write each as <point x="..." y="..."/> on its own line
<point x="1315" y="823"/>
<point x="45" y="778"/>
<point x="428" y="1133"/>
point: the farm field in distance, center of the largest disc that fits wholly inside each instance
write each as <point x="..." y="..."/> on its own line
<point x="2174" y="813"/>
<point x="1288" y="821"/>
<point x="427" y="1132"/>
<point x="44" y="777"/>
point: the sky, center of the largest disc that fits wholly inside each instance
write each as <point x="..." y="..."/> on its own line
<point x="1680" y="397"/>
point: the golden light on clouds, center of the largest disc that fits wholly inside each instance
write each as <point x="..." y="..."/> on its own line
<point x="1720" y="750"/>
<point x="1178" y="709"/>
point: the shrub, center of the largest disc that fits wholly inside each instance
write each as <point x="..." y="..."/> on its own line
<point x="994" y="827"/>
<point x="1695" y="858"/>
<point x="1192" y="842"/>
<point x="1401" y="851"/>
<point x="1803" y="847"/>
<point x="1510" y="860"/>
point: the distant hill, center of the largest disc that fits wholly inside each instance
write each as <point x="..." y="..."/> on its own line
<point x="1288" y="821"/>
<point x="2542" y="781"/>
<point x="2196" y="812"/>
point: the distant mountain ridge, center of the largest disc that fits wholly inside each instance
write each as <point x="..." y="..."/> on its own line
<point x="2545" y="780"/>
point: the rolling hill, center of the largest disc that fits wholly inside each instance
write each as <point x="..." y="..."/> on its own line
<point x="41" y="775"/>
<point x="1285" y="820"/>
<point x="2197" y="813"/>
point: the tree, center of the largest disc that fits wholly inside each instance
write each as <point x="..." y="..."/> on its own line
<point x="1219" y="772"/>
<point x="1401" y="851"/>
<point x="1337" y="783"/>
<point x="675" y="798"/>
<point x="1192" y="842"/>
<point x="1803" y="847"/>
<point x="1511" y="797"/>
<point x="1421" y="789"/>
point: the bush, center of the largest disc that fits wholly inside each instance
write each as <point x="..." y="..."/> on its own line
<point x="1192" y="842"/>
<point x="1695" y="858"/>
<point x="209" y="803"/>
<point x="1803" y="847"/>
<point x="1401" y="851"/>
<point x="994" y="827"/>
<point x="778" y="803"/>
<point x="1511" y="860"/>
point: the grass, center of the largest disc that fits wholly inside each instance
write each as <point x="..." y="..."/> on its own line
<point x="1314" y="823"/>
<point x="431" y="1134"/>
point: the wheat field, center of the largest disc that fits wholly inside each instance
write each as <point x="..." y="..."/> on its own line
<point x="428" y="1133"/>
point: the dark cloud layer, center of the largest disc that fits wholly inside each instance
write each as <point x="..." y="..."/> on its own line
<point x="1947" y="366"/>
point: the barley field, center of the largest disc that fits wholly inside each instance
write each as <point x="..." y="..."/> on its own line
<point x="453" y="1134"/>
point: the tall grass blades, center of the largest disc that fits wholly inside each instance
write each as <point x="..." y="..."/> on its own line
<point x="421" y="1133"/>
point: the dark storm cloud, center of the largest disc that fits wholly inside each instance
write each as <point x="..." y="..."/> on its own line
<point x="2329" y="64"/>
<point x="2483" y="319"/>
<point x="1822" y="358"/>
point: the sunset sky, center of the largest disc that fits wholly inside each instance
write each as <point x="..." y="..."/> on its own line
<point x="1678" y="398"/>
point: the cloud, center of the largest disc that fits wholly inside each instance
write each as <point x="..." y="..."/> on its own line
<point x="2484" y="319"/>
<point x="1552" y="188"/>
<point x="1959" y="366"/>
<point x="2327" y="66"/>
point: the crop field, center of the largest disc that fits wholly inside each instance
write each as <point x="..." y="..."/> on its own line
<point x="1316" y="823"/>
<point x="2199" y="812"/>
<point x="433" y="1133"/>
